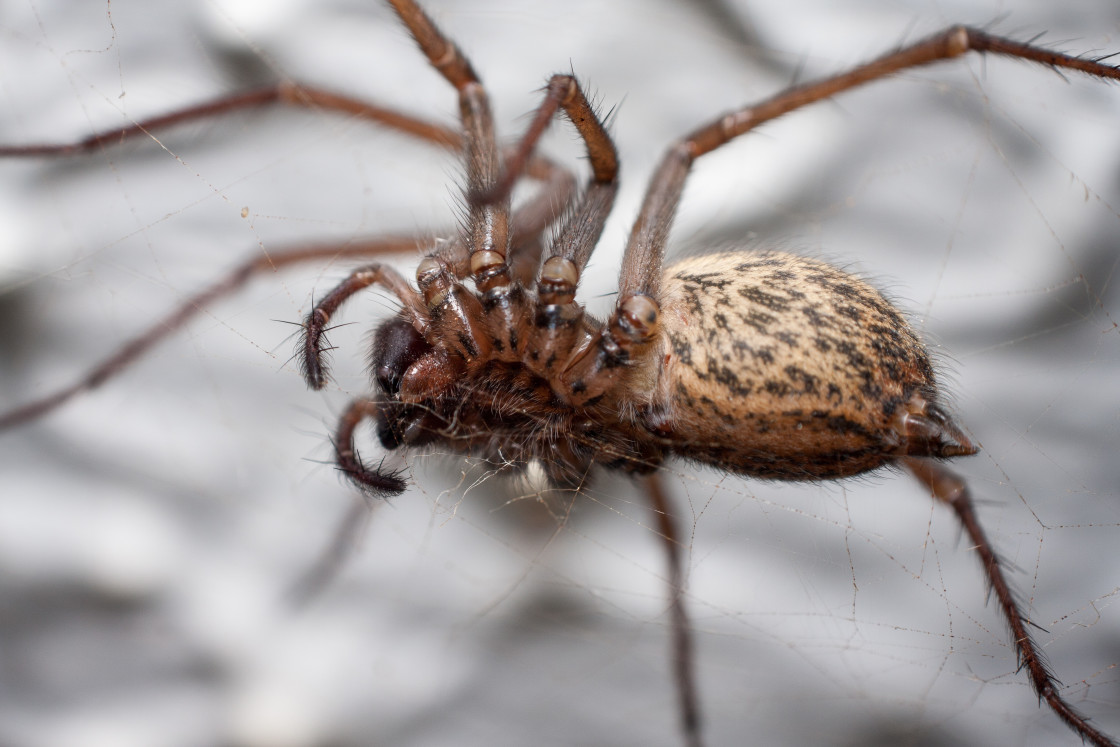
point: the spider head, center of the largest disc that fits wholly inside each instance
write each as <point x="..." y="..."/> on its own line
<point x="396" y="346"/>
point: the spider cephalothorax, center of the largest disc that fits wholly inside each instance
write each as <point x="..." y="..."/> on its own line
<point x="520" y="380"/>
<point x="761" y="364"/>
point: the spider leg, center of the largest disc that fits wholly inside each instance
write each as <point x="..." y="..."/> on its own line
<point x="527" y="223"/>
<point x="483" y="252"/>
<point x="949" y="488"/>
<point x="530" y="219"/>
<point x="291" y="94"/>
<point x="641" y="264"/>
<point x="488" y="241"/>
<point x="488" y="225"/>
<point x="682" y="648"/>
<point x="546" y="345"/>
<point x="168" y="325"/>
<point x="344" y="540"/>
<point x="580" y="233"/>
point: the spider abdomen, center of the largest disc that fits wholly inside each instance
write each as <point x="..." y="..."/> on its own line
<point x="786" y="367"/>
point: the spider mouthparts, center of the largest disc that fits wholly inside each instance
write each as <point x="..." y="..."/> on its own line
<point x="949" y="449"/>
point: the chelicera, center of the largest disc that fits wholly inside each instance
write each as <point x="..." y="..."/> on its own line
<point x="762" y="364"/>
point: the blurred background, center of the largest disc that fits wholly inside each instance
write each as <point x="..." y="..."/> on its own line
<point x="149" y="531"/>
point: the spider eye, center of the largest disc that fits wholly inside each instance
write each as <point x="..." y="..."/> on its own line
<point x="396" y="346"/>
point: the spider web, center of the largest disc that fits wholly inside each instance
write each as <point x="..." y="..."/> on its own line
<point x="149" y="531"/>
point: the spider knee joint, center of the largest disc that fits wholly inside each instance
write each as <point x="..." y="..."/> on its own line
<point x="558" y="281"/>
<point x="957" y="41"/>
<point x="637" y="319"/>
<point x="566" y="86"/>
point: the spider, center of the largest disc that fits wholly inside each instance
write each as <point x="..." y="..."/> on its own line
<point x="406" y="425"/>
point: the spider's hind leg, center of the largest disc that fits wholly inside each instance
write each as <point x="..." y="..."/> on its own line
<point x="682" y="646"/>
<point x="951" y="489"/>
<point x="924" y="429"/>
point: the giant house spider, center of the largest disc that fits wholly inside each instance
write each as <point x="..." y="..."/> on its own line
<point x="177" y="491"/>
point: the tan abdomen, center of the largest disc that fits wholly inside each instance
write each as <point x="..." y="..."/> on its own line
<point x="785" y="367"/>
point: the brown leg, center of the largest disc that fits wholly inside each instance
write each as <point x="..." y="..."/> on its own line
<point x="527" y="223"/>
<point x="641" y="264"/>
<point x="283" y="93"/>
<point x="347" y="532"/>
<point x="167" y="326"/>
<point x="682" y="654"/>
<point x="581" y="232"/>
<point x="948" y="488"/>
<point x="487" y="225"/>
<point x="579" y="235"/>
<point x="529" y="220"/>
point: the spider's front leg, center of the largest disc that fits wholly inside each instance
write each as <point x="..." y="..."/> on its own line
<point x="553" y="340"/>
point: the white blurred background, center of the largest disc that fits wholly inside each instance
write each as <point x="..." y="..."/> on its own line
<point x="149" y="530"/>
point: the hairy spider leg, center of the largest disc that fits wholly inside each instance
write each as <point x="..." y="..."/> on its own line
<point x="580" y="233"/>
<point x="487" y="225"/>
<point x="287" y="93"/>
<point x="350" y="462"/>
<point x="315" y="369"/>
<point x="949" y="488"/>
<point x="641" y="263"/>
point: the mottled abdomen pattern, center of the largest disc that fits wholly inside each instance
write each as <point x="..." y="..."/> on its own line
<point x="785" y="367"/>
